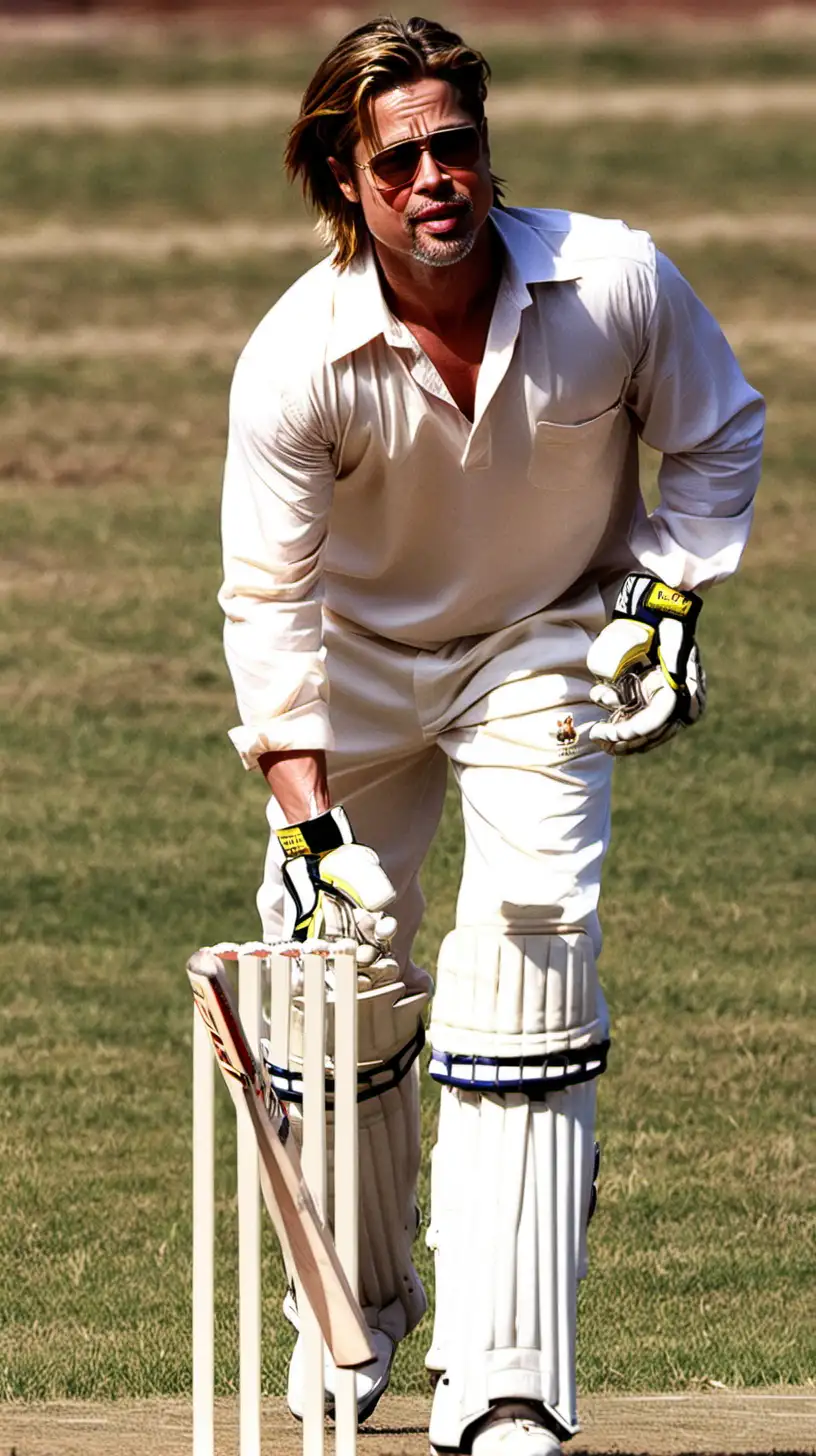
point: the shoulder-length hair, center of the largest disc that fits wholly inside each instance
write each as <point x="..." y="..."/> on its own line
<point x="336" y="110"/>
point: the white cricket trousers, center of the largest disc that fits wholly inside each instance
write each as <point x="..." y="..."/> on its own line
<point x="510" y="713"/>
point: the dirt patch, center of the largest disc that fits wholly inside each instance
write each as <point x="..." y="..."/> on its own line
<point x="736" y="101"/>
<point x="656" y="1425"/>
<point x="252" y="13"/>
<point x="197" y="109"/>
<point x="92" y="342"/>
<point x="595" y="19"/>
<point x="234" y="239"/>
<point x="735" y="227"/>
<point x="784" y="336"/>
<point x="207" y="240"/>
<point x="215" y="108"/>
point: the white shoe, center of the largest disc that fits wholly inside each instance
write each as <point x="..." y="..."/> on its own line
<point x="371" y="1379"/>
<point x="516" y="1438"/>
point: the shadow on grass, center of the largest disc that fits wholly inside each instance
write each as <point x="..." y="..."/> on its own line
<point x="737" y="1450"/>
<point x="400" y="1431"/>
<point x="420" y="1430"/>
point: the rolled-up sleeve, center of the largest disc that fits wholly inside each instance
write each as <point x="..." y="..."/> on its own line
<point x="278" y="484"/>
<point x="692" y="403"/>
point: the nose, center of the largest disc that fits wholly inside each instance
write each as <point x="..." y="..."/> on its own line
<point x="429" y="174"/>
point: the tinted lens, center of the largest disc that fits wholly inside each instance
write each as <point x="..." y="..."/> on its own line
<point x="459" y="147"/>
<point x="398" y="165"/>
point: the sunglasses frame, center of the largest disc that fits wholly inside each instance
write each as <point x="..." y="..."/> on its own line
<point x="423" y="144"/>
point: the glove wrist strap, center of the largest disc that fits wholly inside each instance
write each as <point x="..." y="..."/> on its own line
<point x="316" y="836"/>
<point x="649" y="600"/>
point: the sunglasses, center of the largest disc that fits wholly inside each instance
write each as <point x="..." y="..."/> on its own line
<point x="455" y="147"/>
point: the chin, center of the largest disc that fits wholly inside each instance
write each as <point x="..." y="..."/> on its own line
<point x="442" y="252"/>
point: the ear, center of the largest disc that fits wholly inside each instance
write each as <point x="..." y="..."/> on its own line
<point x="343" y="179"/>
<point x="485" y="139"/>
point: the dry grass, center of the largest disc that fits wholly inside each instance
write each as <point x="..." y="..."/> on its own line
<point x="712" y="1421"/>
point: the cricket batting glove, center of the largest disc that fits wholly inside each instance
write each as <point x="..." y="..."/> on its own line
<point x="336" y="888"/>
<point x="650" y="677"/>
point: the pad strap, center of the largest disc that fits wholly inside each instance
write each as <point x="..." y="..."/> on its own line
<point x="371" y="1081"/>
<point x="535" y="1076"/>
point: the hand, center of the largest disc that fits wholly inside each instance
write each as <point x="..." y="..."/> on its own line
<point x="336" y="888"/>
<point x="648" y="666"/>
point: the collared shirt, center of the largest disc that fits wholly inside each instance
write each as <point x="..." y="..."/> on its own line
<point x="353" y="482"/>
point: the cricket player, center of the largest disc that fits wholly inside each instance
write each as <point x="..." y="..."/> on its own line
<point x="438" y="561"/>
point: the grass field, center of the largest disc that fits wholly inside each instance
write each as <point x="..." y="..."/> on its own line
<point x="133" y="836"/>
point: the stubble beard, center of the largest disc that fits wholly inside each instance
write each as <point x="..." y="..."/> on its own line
<point x="436" y="252"/>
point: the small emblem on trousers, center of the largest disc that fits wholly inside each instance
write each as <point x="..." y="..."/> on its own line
<point x="566" y="735"/>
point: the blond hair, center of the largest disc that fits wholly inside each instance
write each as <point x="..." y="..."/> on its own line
<point x="336" y="109"/>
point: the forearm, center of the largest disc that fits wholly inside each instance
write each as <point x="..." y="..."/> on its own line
<point x="298" y="780"/>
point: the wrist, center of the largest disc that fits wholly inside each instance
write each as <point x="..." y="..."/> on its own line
<point x="298" y="779"/>
<point x="316" y="835"/>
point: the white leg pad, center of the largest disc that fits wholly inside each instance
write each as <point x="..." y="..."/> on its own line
<point x="512" y="1009"/>
<point x="391" y="1291"/>
<point x="519" y="1035"/>
<point x="511" y="1186"/>
<point x="390" y="1038"/>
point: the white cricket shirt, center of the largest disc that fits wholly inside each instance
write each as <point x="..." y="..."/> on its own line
<point x="354" y="482"/>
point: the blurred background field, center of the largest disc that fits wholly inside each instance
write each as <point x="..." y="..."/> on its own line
<point x="145" y="226"/>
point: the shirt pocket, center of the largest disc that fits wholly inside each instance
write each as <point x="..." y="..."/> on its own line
<point x="572" y="458"/>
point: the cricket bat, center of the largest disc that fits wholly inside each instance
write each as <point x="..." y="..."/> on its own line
<point x="289" y="1203"/>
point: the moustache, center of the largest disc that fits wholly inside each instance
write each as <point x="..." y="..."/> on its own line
<point x="451" y="205"/>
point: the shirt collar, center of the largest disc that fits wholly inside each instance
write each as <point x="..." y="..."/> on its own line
<point x="534" y="250"/>
<point x="361" y="313"/>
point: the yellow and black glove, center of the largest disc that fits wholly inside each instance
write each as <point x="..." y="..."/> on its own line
<point x="336" y="888"/>
<point x="646" y="660"/>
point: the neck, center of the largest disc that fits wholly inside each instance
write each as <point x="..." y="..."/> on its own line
<point x="417" y="293"/>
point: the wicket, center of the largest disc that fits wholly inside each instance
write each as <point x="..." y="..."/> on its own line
<point x="265" y="981"/>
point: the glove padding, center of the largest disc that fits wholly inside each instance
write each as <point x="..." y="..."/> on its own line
<point x="336" y="888"/>
<point x="651" y="678"/>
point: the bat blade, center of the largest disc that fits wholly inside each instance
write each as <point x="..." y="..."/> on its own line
<point x="287" y="1197"/>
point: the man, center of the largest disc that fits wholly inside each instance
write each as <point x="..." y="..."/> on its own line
<point x="437" y="556"/>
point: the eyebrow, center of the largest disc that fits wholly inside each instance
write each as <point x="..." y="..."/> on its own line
<point x="381" y="146"/>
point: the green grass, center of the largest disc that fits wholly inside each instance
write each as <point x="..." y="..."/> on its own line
<point x="133" y="835"/>
<point x="226" y="295"/>
<point x="184" y="60"/>
<point x="151" y="176"/>
<point x="634" y="169"/>
<point x="222" y="293"/>
<point x="178" y="61"/>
